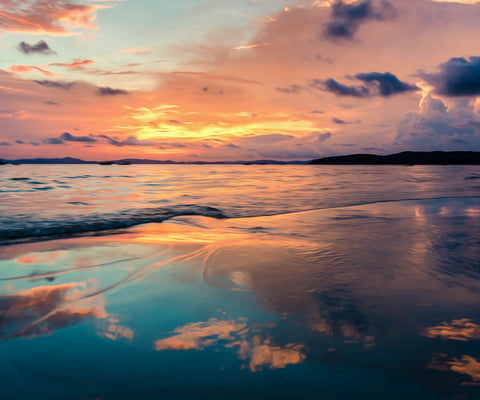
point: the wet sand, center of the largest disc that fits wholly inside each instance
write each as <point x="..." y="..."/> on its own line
<point x="383" y="296"/>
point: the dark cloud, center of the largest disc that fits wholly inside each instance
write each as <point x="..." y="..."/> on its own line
<point x="68" y="137"/>
<point x="130" y="141"/>
<point x="291" y="89"/>
<point x="52" y="141"/>
<point x="323" y="136"/>
<point x="338" y="121"/>
<point x="40" y="47"/>
<point x="372" y="149"/>
<point x="55" y="84"/>
<point x="457" y="77"/>
<point x="108" y="91"/>
<point x="34" y="144"/>
<point x="4" y="144"/>
<point x="19" y="142"/>
<point x="375" y="84"/>
<point x="388" y="84"/>
<point x="206" y="89"/>
<point x="51" y="103"/>
<point x="346" y="18"/>
<point x="331" y="85"/>
<point x="317" y="112"/>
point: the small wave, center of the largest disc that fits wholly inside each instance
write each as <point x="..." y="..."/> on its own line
<point x="77" y="177"/>
<point x="472" y="177"/>
<point x="28" y="228"/>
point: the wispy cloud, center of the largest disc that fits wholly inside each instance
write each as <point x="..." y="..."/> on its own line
<point x="52" y="17"/>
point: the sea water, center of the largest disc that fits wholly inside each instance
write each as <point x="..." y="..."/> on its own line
<point x="149" y="282"/>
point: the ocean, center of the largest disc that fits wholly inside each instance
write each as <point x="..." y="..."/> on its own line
<point x="228" y="281"/>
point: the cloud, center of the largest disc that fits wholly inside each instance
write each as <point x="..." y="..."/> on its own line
<point x="74" y="64"/>
<point x="387" y="83"/>
<point x="52" y="17"/>
<point x="71" y="138"/>
<point x="374" y="84"/>
<point x="338" y="121"/>
<point x="55" y="84"/>
<point x="4" y="144"/>
<point x="457" y="77"/>
<point x="346" y="18"/>
<point x="291" y="89"/>
<point x="130" y="141"/>
<point x="332" y="86"/>
<point x="108" y="91"/>
<point x="19" y="142"/>
<point x="40" y="47"/>
<point x="435" y="126"/>
<point x="323" y="136"/>
<point x="21" y="69"/>
<point x="52" y="141"/>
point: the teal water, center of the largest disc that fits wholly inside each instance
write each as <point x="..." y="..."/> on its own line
<point x="325" y="299"/>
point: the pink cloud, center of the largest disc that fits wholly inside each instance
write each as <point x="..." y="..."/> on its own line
<point x="29" y="68"/>
<point x="54" y="17"/>
<point x="74" y="64"/>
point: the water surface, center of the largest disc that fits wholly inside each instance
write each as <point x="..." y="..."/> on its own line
<point x="290" y="283"/>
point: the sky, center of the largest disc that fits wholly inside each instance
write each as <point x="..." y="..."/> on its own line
<point x="213" y="80"/>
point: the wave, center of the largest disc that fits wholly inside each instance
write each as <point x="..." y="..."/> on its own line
<point x="22" y="228"/>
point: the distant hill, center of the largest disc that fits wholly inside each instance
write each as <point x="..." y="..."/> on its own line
<point x="126" y="161"/>
<point x="65" y="160"/>
<point x="405" y="158"/>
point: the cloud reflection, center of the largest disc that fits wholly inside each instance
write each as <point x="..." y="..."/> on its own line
<point x="465" y="365"/>
<point x="198" y="335"/>
<point x="459" y="329"/>
<point x="44" y="309"/>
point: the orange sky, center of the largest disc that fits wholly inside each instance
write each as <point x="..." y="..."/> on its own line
<point x="271" y="79"/>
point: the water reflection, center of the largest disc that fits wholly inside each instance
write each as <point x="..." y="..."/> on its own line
<point x="464" y="365"/>
<point x="353" y="292"/>
<point x="44" y="309"/>
<point x="458" y="329"/>
<point x="233" y="334"/>
<point x="199" y="335"/>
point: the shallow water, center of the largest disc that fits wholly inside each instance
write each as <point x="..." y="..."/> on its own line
<point x="375" y="300"/>
<point x="50" y="200"/>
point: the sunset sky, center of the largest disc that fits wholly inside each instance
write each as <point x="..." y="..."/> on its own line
<point x="193" y="80"/>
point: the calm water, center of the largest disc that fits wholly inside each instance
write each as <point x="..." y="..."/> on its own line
<point x="266" y="282"/>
